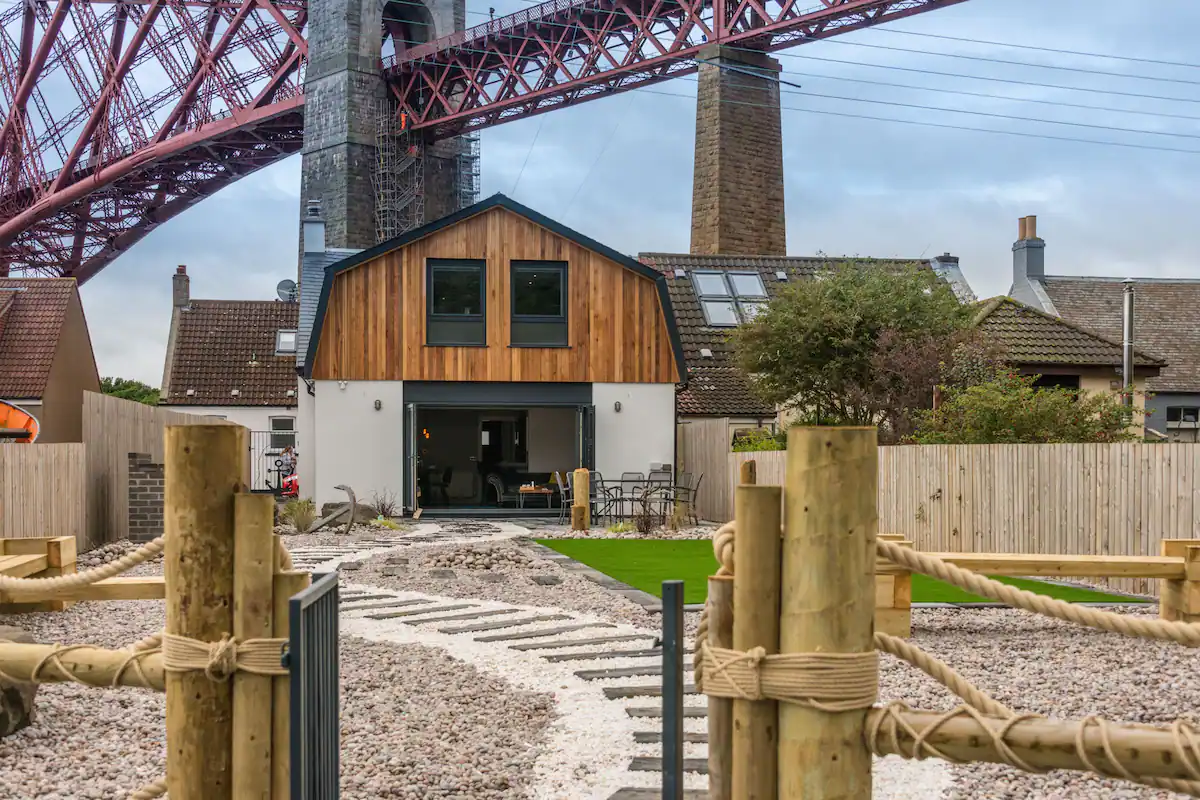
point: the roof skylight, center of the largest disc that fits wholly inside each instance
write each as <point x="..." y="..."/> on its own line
<point x="729" y="298"/>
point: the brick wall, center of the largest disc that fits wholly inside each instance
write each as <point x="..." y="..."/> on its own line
<point x="737" y="189"/>
<point x="145" y="498"/>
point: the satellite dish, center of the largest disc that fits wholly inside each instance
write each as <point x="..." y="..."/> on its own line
<point x="286" y="290"/>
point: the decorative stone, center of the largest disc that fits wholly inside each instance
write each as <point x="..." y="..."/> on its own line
<point x="547" y="580"/>
<point x="350" y="565"/>
<point x="399" y="561"/>
<point x="16" y="697"/>
<point x="391" y="572"/>
<point x="441" y="573"/>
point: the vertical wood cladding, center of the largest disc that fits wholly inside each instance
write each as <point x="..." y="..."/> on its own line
<point x="375" y="319"/>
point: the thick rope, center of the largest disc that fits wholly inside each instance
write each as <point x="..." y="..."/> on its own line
<point x="125" y="563"/>
<point x="729" y="673"/>
<point x="219" y="660"/>
<point x="826" y="681"/>
<point x="150" y="791"/>
<point x="1147" y="628"/>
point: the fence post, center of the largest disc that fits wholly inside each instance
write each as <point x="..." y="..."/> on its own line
<point x="253" y="618"/>
<point x="581" y="501"/>
<point x="203" y="471"/>
<point x="1179" y="600"/>
<point x="756" y="624"/>
<point x="893" y="593"/>
<point x="672" y="738"/>
<point x="828" y="601"/>
<point x="287" y="585"/>
<point x="720" y="709"/>
<point x="749" y="472"/>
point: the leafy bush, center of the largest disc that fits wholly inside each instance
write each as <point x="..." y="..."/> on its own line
<point x="759" y="440"/>
<point x="621" y="527"/>
<point x="1009" y="409"/>
<point x="300" y="513"/>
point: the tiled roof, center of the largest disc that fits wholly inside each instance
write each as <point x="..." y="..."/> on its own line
<point x="1166" y="321"/>
<point x="222" y="345"/>
<point x="32" y="311"/>
<point x="1030" y="336"/>
<point x="716" y="386"/>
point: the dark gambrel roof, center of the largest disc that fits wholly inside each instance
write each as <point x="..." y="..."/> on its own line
<point x="222" y="345"/>
<point x="1030" y="336"/>
<point x="1166" y="320"/>
<point x="495" y="201"/>
<point x="716" y="386"/>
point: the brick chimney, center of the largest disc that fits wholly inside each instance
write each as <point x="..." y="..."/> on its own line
<point x="181" y="289"/>
<point x="737" y="185"/>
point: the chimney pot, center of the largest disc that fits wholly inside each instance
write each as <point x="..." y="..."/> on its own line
<point x="1031" y="226"/>
<point x="1022" y="228"/>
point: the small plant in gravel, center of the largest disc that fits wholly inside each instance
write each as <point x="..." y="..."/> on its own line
<point x="384" y="504"/>
<point x="384" y="522"/>
<point x="300" y="513"/>
<point x="621" y="527"/>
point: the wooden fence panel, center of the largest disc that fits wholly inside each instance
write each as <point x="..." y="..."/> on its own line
<point x="1082" y="499"/>
<point x="43" y="491"/>
<point x="704" y="450"/>
<point x="112" y="429"/>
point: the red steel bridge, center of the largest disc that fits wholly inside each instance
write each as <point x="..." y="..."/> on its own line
<point x="119" y="114"/>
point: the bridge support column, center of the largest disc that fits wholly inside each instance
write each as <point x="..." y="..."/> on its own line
<point x="737" y="190"/>
<point x="343" y="93"/>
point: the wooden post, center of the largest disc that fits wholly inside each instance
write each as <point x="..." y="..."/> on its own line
<point x="748" y="472"/>
<point x="1179" y="600"/>
<point x="581" y="507"/>
<point x="893" y="593"/>
<point x="756" y="624"/>
<point x="720" y="709"/>
<point x="204" y="466"/>
<point x="253" y="618"/>
<point x="60" y="560"/>
<point x="287" y="585"/>
<point x="828" y="601"/>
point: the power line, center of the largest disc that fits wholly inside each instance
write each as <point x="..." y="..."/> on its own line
<point x="1138" y="59"/>
<point x="923" y="123"/>
<point x="528" y="153"/>
<point x="611" y="136"/>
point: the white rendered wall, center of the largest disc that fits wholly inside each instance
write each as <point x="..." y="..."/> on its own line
<point x="356" y="445"/>
<point x="306" y="446"/>
<point x="640" y="434"/>
<point x="256" y="418"/>
<point x="552" y="445"/>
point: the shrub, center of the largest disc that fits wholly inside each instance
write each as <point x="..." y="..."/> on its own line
<point x="759" y="440"/>
<point x="300" y="513"/>
<point x="384" y="504"/>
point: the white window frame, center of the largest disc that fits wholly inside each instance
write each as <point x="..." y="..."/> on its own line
<point x="280" y="350"/>
<point x="289" y="432"/>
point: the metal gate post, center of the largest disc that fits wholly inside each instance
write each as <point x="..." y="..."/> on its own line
<point x="672" y="734"/>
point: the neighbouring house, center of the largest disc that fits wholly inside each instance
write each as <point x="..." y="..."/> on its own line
<point x="480" y="352"/>
<point x="711" y="295"/>
<point x="1166" y="324"/>
<point x="236" y="360"/>
<point x="46" y="358"/>
<point x="1061" y="353"/>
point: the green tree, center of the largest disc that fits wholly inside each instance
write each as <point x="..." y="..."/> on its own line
<point x="129" y="390"/>
<point x="861" y="344"/>
<point x="1009" y="409"/>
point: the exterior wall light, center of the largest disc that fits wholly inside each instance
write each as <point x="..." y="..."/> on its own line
<point x="378" y="405"/>
<point x="617" y="406"/>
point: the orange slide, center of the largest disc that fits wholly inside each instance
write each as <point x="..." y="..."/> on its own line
<point x="17" y="425"/>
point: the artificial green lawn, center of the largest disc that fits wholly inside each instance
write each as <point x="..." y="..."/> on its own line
<point x="645" y="563"/>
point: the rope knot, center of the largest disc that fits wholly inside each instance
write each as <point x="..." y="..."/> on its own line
<point x="222" y="659"/>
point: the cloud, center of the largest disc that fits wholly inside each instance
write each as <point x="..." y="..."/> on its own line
<point x="619" y="169"/>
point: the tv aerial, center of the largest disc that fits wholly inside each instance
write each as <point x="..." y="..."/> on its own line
<point x="286" y="289"/>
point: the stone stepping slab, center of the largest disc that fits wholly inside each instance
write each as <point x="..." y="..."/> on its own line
<point x="470" y="615"/>
<point x="655" y="794"/>
<point x="650" y="690"/>
<point x="652" y="764"/>
<point x="504" y="623"/>
<point x="583" y="642"/>
<point x="655" y="737"/>
<point x="375" y="606"/>
<point x="594" y="655"/>
<point x="622" y="672"/>
<point x="655" y="712"/>
<point x="414" y="612"/>
<point x="362" y="598"/>
<point x="504" y="637"/>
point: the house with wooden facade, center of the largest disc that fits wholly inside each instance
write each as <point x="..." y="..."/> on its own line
<point x="481" y="352"/>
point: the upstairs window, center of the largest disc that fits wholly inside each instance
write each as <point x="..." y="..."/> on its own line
<point x="539" y="304"/>
<point x="1182" y="414"/>
<point x="455" y="291"/>
<point x="283" y="432"/>
<point x="729" y="298"/>
<point x="285" y="343"/>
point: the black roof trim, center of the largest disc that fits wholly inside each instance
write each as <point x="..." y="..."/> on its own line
<point x="496" y="201"/>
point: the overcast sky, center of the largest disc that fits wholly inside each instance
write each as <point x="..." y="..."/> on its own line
<point x="620" y="169"/>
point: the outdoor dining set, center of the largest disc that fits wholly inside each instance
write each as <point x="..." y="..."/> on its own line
<point x="655" y="495"/>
